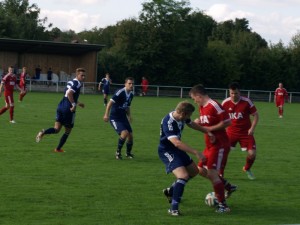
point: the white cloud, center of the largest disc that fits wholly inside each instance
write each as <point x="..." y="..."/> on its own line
<point x="73" y="19"/>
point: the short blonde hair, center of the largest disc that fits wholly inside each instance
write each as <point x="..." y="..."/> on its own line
<point x="185" y="107"/>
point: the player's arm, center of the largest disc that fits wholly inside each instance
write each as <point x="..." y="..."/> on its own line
<point x="128" y="113"/>
<point x="107" y="110"/>
<point x="1" y="85"/>
<point x="220" y="126"/>
<point x="254" y="123"/>
<point x="70" y="95"/>
<point x="196" y="126"/>
<point x="184" y="147"/>
<point x="99" y="86"/>
<point x="80" y="104"/>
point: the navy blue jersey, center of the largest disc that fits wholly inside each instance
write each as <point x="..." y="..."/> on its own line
<point x="170" y="128"/>
<point x="105" y="82"/>
<point x="75" y="86"/>
<point x="122" y="101"/>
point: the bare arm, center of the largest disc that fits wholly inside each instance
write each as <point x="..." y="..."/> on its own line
<point x="184" y="147"/>
<point x="254" y="123"/>
<point x="1" y="85"/>
<point x="70" y="95"/>
<point x="107" y="111"/>
<point x="219" y="126"/>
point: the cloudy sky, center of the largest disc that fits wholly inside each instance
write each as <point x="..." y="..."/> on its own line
<point x="273" y="20"/>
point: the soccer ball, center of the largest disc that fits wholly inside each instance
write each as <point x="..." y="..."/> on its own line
<point x="211" y="199"/>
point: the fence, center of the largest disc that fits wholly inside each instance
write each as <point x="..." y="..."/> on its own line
<point x="161" y="91"/>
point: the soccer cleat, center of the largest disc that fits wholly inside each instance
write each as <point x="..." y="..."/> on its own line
<point x="12" y="121"/>
<point x="280" y="116"/>
<point x="222" y="208"/>
<point x="174" y="212"/>
<point x="167" y="194"/>
<point x="39" y="136"/>
<point x="118" y="155"/>
<point x="233" y="188"/>
<point x="58" y="150"/>
<point x="249" y="174"/>
<point x="129" y="155"/>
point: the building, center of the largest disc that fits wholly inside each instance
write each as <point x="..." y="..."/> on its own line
<point x="63" y="58"/>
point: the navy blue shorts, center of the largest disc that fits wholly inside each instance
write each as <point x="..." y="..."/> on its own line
<point x="65" y="117"/>
<point x="119" y="126"/>
<point x="174" y="159"/>
<point x="105" y="90"/>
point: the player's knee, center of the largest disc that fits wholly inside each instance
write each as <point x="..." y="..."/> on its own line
<point x="251" y="154"/>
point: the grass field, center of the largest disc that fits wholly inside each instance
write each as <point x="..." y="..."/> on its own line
<point x="87" y="186"/>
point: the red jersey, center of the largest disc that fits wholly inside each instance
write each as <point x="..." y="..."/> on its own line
<point x="239" y="113"/>
<point x="9" y="82"/>
<point x="211" y="114"/>
<point x="22" y="83"/>
<point x="281" y="94"/>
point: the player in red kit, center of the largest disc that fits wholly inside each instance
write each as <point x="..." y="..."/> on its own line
<point x="22" y="84"/>
<point x="9" y="83"/>
<point x="215" y="119"/>
<point x="280" y="96"/>
<point x="241" y="130"/>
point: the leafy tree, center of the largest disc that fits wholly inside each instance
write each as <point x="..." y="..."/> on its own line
<point x="21" y="20"/>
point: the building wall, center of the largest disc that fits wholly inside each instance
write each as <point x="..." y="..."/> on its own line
<point x="58" y="63"/>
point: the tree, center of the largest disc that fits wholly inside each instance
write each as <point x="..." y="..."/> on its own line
<point x="21" y="20"/>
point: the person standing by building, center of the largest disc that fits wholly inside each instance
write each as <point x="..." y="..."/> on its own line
<point x="105" y="83"/>
<point x="280" y="96"/>
<point x="173" y="152"/>
<point x="65" y="113"/>
<point x="38" y="71"/>
<point x="9" y="82"/>
<point x="144" y="84"/>
<point x="215" y="119"/>
<point x="49" y="76"/>
<point x="22" y="84"/>
<point x="242" y="129"/>
<point x="119" y="114"/>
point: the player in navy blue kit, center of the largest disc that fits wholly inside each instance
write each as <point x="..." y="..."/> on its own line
<point x="65" y="113"/>
<point x="118" y="113"/>
<point x="173" y="152"/>
<point x="105" y="83"/>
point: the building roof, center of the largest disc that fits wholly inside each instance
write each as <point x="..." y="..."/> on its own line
<point x="47" y="47"/>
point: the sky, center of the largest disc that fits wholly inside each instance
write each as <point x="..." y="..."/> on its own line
<point x="273" y="20"/>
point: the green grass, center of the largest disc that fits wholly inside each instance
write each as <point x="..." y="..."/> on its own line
<point x="87" y="186"/>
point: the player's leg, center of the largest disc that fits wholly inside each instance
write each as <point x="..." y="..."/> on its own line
<point x="63" y="139"/>
<point x="10" y="100"/>
<point x="51" y="130"/>
<point x="182" y="177"/>
<point x="123" y="134"/>
<point x="105" y="97"/>
<point x="129" y="142"/>
<point x="214" y="163"/>
<point x="250" y="144"/>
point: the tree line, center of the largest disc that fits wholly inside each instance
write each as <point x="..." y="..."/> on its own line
<point x="171" y="44"/>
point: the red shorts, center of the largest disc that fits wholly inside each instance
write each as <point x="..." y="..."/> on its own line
<point x="247" y="142"/>
<point x="279" y="102"/>
<point x="216" y="157"/>
<point x="9" y="100"/>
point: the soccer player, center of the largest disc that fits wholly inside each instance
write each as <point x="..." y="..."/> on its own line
<point x="173" y="152"/>
<point x="215" y="119"/>
<point x="22" y="84"/>
<point x="9" y="82"/>
<point x="144" y="84"/>
<point x="280" y="96"/>
<point x="65" y="113"/>
<point x="241" y="130"/>
<point x="105" y="82"/>
<point x="119" y="114"/>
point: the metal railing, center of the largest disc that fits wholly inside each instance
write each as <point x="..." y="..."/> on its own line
<point x="161" y="91"/>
